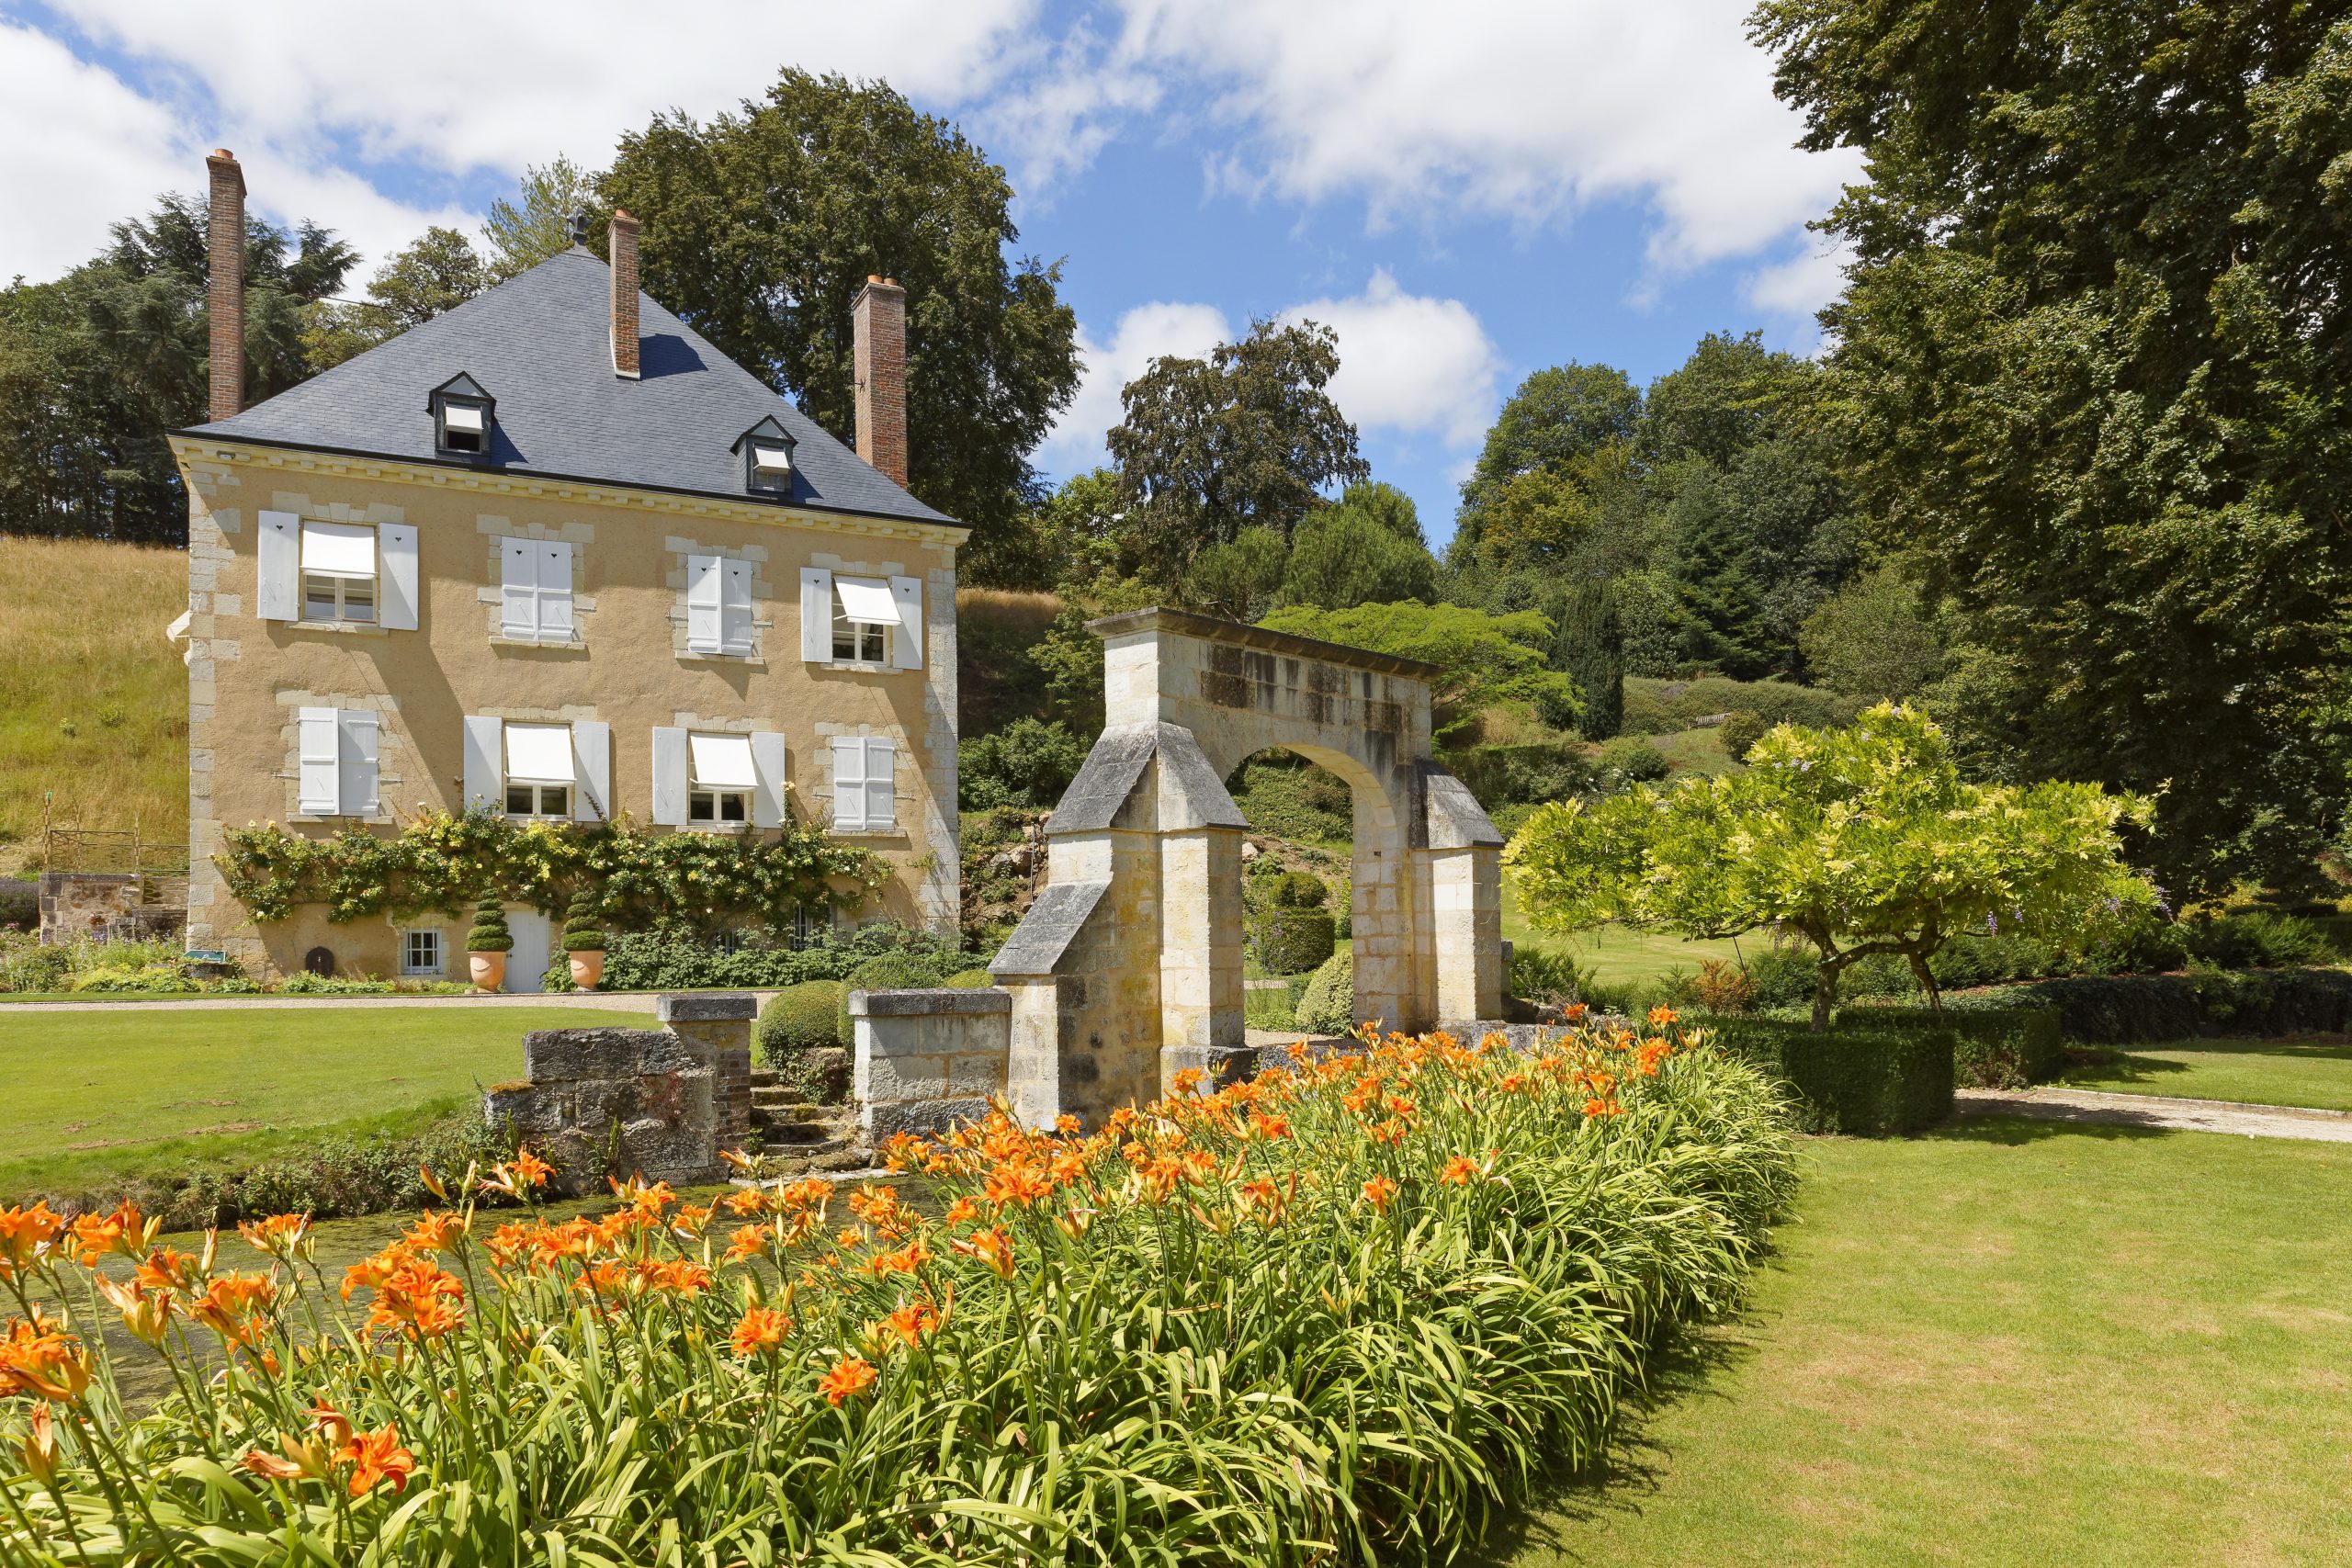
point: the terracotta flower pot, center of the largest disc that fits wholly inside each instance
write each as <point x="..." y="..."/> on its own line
<point x="587" y="968"/>
<point x="489" y="970"/>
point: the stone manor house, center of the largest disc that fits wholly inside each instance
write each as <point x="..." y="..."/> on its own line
<point x="552" y="554"/>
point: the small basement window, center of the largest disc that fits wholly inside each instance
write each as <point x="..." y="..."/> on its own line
<point x="538" y="770"/>
<point x="420" y="953"/>
<point x="719" y="790"/>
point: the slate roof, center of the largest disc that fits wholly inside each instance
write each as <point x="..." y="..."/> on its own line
<point x="540" y="343"/>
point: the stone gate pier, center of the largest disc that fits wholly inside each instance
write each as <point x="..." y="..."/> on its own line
<point x="1128" y="969"/>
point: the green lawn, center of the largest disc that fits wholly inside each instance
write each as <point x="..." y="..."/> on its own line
<point x="2317" y="1073"/>
<point x="1616" y="954"/>
<point x="2011" y="1342"/>
<point x="96" y="1094"/>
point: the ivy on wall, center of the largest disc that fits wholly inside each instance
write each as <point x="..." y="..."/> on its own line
<point x="442" y="862"/>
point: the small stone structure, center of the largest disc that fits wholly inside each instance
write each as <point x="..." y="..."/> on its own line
<point x="927" y="1059"/>
<point x="1127" y="968"/>
<point x="101" y="905"/>
<point x="661" y="1103"/>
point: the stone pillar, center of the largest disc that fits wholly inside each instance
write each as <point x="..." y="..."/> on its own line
<point x="927" y="1060"/>
<point x="1200" y="951"/>
<point x="1385" y="916"/>
<point x="721" y="1023"/>
<point x="1465" y="925"/>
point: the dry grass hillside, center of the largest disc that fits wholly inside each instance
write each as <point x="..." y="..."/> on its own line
<point x="93" y="699"/>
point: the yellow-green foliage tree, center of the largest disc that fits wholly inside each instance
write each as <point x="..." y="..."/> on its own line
<point x="1862" y="840"/>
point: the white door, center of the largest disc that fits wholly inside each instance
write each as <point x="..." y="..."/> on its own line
<point x="527" y="965"/>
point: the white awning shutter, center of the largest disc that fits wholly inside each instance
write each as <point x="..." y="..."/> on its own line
<point x="815" y="614"/>
<point x="735" y="605"/>
<point x="278" y="566"/>
<point x="398" y="595"/>
<point x="907" y="592"/>
<point x="703" y="611"/>
<point x="591" y="758"/>
<point x="767" y="766"/>
<point x="485" y="783"/>
<point x="867" y="599"/>
<point x="722" y="762"/>
<point x="357" y="763"/>
<point x="668" y="776"/>
<point x="339" y="550"/>
<point x="318" y="750"/>
<point x="539" y="753"/>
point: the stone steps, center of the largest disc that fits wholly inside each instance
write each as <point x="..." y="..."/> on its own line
<point x="783" y="1105"/>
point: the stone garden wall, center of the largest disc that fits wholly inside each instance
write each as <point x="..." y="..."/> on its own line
<point x="927" y="1059"/>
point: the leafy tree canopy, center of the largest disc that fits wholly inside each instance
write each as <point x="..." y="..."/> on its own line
<point x="1349" y="555"/>
<point x="1874" y="638"/>
<point x="761" y="226"/>
<point x="437" y="272"/>
<point x="1248" y="437"/>
<point x="2095" y="366"/>
<point x="1483" y="660"/>
<point x="1862" y="840"/>
<point x="519" y="235"/>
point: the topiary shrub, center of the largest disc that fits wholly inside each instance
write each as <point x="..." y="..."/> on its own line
<point x="892" y="972"/>
<point x="1877" y="1081"/>
<point x="1292" y="941"/>
<point x="1329" y="1006"/>
<point x="490" y="934"/>
<point x="800" y="1019"/>
<point x="2001" y="1040"/>
<point x="969" y="980"/>
<point x="1629" y="758"/>
<point x="583" y="932"/>
<point x="1741" y="730"/>
<point x="1301" y="890"/>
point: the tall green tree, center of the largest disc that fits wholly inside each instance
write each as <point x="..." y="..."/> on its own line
<point x="1588" y="647"/>
<point x="1366" y="548"/>
<point x="1248" y="437"/>
<point x="96" y="366"/>
<point x="437" y="271"/>
<point x="762" y="225"/>
<point x="2093" y="366"/>
<point x="1553" y="431"/>
<point x="536" y="223"/>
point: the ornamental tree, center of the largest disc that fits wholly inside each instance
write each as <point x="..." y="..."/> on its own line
<point x="1862" y="840"/>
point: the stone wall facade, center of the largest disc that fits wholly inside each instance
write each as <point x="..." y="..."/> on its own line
<point x="927" y="1059"/>
<point x="657" y="1103"/>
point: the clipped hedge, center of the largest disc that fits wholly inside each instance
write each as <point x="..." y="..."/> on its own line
<point x="657" y="961"/>
<point x="2000" y="1041"/>
<point x="1291" y="939"/>
<point x="1329" y="1004"/>
<point x="2130" y="1010"/>
<point x="1871" y="1081"/>
<point x="799" y="1018"/>
<point x="892" y="972"/>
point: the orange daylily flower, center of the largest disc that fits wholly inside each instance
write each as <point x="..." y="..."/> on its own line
<point x="377" y="1456"/>
<point x="992" y="1248"/>
<point x="850" y="1375"/>
<point x="1461" y="1170"/>
<point x="759" y="1330"/>
<point x="1380" y="1192"/>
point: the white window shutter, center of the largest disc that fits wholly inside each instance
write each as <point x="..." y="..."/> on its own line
<point x="815" y="614"/>
<point x="767" y="767"/>
<point x="318" y="750"/>
<point x="357" y="788"/>
<point x="518" y="596"/>
<point x="735" y="605"/>
<point x="668" y="776"/>
<point x="396" y="547"/>
<point x="907" y="593"/>
<point x="848" y="784"/>
<point x="591" y="771"/>
<point x="881" y="785"/>
<point x="278" y="566"/>
<point x="485" y="763"/>
<point x="702" y="613"/>
<point x="554" y="589"/>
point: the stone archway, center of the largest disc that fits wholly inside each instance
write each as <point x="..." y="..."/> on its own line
<point x="1128" y="969"/>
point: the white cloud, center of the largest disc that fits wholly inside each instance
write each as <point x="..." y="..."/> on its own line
<point x="1144" y="333"/>
<point x="1803" y="283"/>
<point x="1409" y="362"/>
<point x="1528" y="110"/>
<point x="89" y="150"/>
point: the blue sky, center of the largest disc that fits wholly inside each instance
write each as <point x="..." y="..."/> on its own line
<point x="1467" y="192"/>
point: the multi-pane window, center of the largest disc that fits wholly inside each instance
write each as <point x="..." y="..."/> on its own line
<point x="721" y="777"/>
<point x="863" y="615"/>
<point x="420" y="953"/>
<point x="538" y="770"/>
<point x="338" y="571"/>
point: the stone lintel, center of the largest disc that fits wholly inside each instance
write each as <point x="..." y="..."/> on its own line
<point x="928" y="1001"/>
<point x="705" y="1007"/>
<point x="1209" y="628"/>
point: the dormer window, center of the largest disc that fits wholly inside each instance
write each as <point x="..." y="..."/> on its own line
<point x="767" y="458"/>
<point x="464" y="416"/>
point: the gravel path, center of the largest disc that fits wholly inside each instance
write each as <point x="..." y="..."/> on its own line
<point x="2157" y="1110"/>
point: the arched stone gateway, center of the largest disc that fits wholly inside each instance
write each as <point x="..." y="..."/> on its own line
<point x="1128" y="969"/>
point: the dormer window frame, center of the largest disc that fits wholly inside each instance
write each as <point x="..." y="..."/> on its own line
<point x="758" y="446"/>
<point x="467" y="396"/>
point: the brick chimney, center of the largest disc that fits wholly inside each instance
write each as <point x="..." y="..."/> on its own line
<point x="622" y="251"/>
<point x="225" y="294"/>
<point x="879" y="315"/>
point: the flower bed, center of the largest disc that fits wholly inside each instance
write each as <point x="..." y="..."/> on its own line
<point x="1346" y="1308"/>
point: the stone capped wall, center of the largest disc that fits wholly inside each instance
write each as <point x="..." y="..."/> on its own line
<point x="927" y="1059"/>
